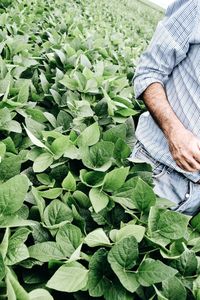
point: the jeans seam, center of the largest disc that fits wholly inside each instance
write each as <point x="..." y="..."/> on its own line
<point x="185" y="202"/>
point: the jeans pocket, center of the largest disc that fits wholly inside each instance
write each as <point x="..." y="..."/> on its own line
<point x="158" y="169"/>
<point x="187" y="197"/>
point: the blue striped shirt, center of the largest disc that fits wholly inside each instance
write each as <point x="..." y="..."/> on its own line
<point x="172" y="58"/>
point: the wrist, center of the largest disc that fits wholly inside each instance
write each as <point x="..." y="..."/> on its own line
<point x="173" y="130"/>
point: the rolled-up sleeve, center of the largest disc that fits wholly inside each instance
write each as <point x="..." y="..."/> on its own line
<point x="169" y="45"/>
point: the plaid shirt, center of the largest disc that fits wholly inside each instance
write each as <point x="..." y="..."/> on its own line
<point x="173" y="59"/>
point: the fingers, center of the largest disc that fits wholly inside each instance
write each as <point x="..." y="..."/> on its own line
<point x="185" y="166"/>
<point x="190" y="165"/>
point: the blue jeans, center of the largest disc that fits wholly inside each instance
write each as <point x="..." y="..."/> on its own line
<point x="170" y="184"/>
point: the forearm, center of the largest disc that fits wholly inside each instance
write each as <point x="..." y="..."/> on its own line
<point x="183" y="144"/>
<point x="157" y="103"/>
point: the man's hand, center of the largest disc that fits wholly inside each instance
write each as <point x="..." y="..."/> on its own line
<point x="185" y="149"/>
<point x="183" y="144"/>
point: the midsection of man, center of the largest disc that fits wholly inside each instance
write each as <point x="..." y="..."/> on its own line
<point x="173" y="60"/>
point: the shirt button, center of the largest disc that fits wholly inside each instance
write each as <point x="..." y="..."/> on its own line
<point x="187" y="195"/>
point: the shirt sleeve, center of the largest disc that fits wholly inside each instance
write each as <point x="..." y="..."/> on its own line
<point x="169" y="45"/>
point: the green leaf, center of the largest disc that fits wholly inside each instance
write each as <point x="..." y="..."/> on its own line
<point x="17" y="250"/>
<point x="63" y="146"/>
<point x="97" y="281"/>
<point x="57" y="212"/>
<point x="173" y="287"/>
<point x="99" y="156"/>
<point x="42" y="162"/>
<point x="82" y="199"/>
<point x="24" y="92"/>
<point x="143" y="196"/>
<point x="69" y="182"/>
<point x="46" y="251"/>
<point x="10" y="166"/>
<point x="69" y="278"/>
<point x="16" y="289"/>
<point x="2" y="268"/>
<point x="98" y="199"/>
<point x="35" y="140"/>
<point x="118" y="292"/>
<point x="14" y="221"/>
<point x="114" y="133"/>
<point x="115" y="179"/>
<point x="172" y="225"/>
<point x="122" y="257"/>
<point x="89" y="136"/>
<point x="51" y="193"/>
<point x="96" y="238"/>
<point x="187" y="263"/>
<point x="12" y="194"/>
<point x="124" y="253"/>
<point x="85" y="61"/>
<point x="153" y="271"/>
<point x="40" y="294"/>
<point x="2" y="150"/>
<point x="130" y="229"/>
<point x="69" y="237"/>
<point x="92" y="178"/>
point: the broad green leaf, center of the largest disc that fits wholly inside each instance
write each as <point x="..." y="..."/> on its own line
<point x="63" y="146"/>
<point x="99" y="156"/>
<point x="42" y="162"/>
<point x="89" y="136"/>
<point x="10" y="166"/>
<point x="92" y="178"/>
<point x="12" y="194"/>
<point x="82" y="199"/>
<point x="35" y="140"/>
<point x="187" y="263"/>
<point x="124" y="253"/>
<point x="173" y="288"/>
<point x="143" y="196"/>
<point x="130" y="229"/>
<point x="195" y="222"/>
<point x="57" y="212"/>
<point x="122" y="257"/>
<point x="40" y="294"/>
<point x="97" y="281"/>
<point x="153" y="271"/>
<point x="172" y="225"/>
<point x="46" y="251"/>
<point x="85" y="61"/>
<point x="114" y="133"/>
<point x="70" y="277"/>
<point x="17" y="250"/>
<point x="16" y="289"/>
<point x="69" y="182"/>
<point x="51" y="193"/>
<point x="115" y="179"/>
<point x="127" y="278"/>
<point x="118" y="292"/>
<point x="10" y="221"/>
<point x="98" y="199"/>
<point x="96" y="238"/>
<point x="69" y="237"/>
<point x="23" y="92"/>
<point x="69" y="83"/>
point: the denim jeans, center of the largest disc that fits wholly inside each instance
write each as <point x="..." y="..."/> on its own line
<point x="170" y="184"/>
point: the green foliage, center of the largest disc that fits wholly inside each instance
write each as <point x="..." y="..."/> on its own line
<point x="78" y="220"/>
